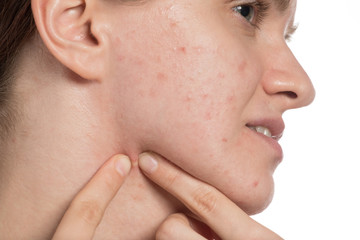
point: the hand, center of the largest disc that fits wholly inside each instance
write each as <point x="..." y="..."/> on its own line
<point x="210" y="206"/>
<point x="87" y="209"/>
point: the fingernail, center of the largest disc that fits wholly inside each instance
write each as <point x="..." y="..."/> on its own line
<point x="147" y="163"/>
<point x="123" y="165"/>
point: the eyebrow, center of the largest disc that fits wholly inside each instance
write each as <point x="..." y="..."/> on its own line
<point x="282" y="5"/>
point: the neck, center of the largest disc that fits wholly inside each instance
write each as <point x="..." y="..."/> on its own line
<point x="56" y="149"/>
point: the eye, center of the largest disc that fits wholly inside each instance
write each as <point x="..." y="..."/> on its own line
<point x="246" y="11"/>
<point x="254" y="12"/>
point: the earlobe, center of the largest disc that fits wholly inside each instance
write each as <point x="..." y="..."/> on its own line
<point x="71" y="33"/>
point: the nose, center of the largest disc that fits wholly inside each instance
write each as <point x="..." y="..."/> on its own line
<point x="285" y="79"/>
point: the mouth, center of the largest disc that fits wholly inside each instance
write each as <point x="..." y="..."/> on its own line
<point x="271" y="128"/>
<point x="265" y="131"/>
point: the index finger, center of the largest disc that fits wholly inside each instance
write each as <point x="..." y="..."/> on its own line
<point x="86" y="210"/>
<point x="209" y="204"/>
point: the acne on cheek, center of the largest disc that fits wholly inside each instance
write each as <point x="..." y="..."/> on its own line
<point x="161" y="77"/>
<point x="205" y="105"/>
<point x="120" y="58"/>
<point x="173" y="25"/>
<point x="230" y="99"/>
<point x="208" y="116"/>
<point x="242" y="67"/>
<point x="181" y="50"/>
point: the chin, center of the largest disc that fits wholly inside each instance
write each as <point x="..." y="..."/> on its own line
<point x="257" y="199"/>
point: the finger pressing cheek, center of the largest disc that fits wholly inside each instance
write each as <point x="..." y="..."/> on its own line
<point x="211" y="206"/>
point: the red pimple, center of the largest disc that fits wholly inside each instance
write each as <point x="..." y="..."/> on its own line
<point x="241" y="67"/>
<point x="230" y="99"/>
<point x="161" y="76"/>
<point x="208" y="116"/>
<point x="180" y="49"/>
<point x="183" y="49"/>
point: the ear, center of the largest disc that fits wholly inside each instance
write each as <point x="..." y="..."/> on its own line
<point x="74" y="34"/>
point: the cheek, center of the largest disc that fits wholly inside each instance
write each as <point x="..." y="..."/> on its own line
<point x="185" y="100"/>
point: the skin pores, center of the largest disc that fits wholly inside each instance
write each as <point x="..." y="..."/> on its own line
<point x="189" y="76"/>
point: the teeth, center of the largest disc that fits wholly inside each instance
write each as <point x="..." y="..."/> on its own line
<point x="262" y="130"/>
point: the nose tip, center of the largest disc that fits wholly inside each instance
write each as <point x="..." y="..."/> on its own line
<point x="305" y="92"/>
<point x="294" y="88"/>
<point x="288" y="79"/>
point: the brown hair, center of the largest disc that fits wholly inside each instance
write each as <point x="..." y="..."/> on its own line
<point x="16" y="27"/>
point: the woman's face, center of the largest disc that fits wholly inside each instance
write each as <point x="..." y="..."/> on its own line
<point x="192" y="78"/>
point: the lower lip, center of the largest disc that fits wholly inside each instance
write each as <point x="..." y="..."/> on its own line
<point x="274" y="144"/>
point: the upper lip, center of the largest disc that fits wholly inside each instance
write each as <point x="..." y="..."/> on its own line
<point x="275" y="125"/>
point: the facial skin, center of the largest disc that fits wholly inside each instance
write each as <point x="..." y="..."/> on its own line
<point x="197" y="79"/>
<point x="180" y="78"/>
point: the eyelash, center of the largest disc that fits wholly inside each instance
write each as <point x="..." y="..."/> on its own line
<point x="260" y="8"/>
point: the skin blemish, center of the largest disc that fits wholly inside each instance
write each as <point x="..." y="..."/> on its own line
<point x="188" y="98"/>
<point x="183" y="49"/>
<point x="242" y="67"/>
<point x="204" y="96"/>
<point x="230" y="99"/>
<point x="120" y="58"/>
<point x="208" y="116"/>
<point x="180" y="49"/>
<point x="224" y="140"/>
<point x="161" y="77"/>
<point x="139" y="62"/>
<point x="255" y="184"/>
<point x="221" y="75"/>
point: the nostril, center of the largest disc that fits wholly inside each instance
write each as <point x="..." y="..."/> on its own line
<point x="290" y="94"/>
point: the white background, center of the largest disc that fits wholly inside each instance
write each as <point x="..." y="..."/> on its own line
<point x="317" y="192"/>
